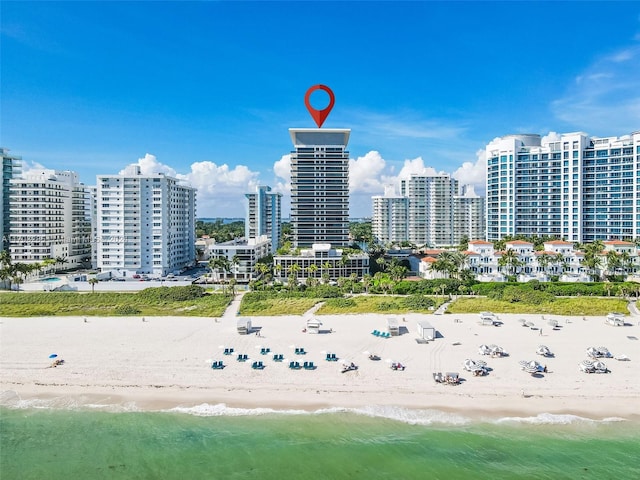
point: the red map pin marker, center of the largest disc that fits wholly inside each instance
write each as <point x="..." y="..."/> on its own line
<point x="319" y="116"/>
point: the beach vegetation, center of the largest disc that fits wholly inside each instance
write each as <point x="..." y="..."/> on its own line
<point x="183" y="301"/>
<point x="379" y="303"/>
<point x="559" y="306"/>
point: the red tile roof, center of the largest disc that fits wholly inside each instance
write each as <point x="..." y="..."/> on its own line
<point x="479" y="242"/>
<point x="518" y="242"/>
<point x="617" y="242"/>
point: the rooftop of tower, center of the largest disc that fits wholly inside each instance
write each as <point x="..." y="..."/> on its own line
<point x="302" y="137"/>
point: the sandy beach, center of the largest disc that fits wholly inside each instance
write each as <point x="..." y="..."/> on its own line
<point x="164" y="362"/>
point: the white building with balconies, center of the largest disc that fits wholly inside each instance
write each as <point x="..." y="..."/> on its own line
<point x="145" y="224"/>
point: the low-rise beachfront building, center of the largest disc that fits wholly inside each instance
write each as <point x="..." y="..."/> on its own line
<point x="320" y="260"/>
<point x="559" y="260"/>
<point x="241" y="256"/>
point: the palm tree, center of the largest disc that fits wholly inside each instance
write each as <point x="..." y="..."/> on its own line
<point x="232" y="284"/>
<point x="613" y="262"/>
<point x="326" y="266"/>
<point x="543" y="261"/>
<point x="626" y="262"/>
<point x="366" y="282"/>
<point x="293" y="273"/>
<point x="592" y="259"/>
<point x="60" y="260"/>
<point x="93" y="281"/>
<point x="312" y="269"/>
<point x="235" y="262"/>
<point x="510" y="260"/>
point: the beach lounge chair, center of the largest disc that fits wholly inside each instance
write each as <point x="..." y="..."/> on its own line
<point x="228" y="351"/>
<point x="309" y="366"/>
<point x="334" y="358"/>
<point x="376" y="333"/>
<point x="265" y="351"/>
<point x="328" y="357"/>
<point x="278" y="357"/>
<point x="257" y="365"/>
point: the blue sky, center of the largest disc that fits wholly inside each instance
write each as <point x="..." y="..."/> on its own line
<point x="207" y="91"/>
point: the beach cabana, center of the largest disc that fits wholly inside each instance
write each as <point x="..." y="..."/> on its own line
<point x="313" y="325"/>
<point x="426" y="331"/>
<point x="392" y="327"/>
<point x="615" y="319"/>
<point x="244" y="326"/>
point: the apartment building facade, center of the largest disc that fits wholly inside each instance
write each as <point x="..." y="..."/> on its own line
<point x="571" y="186"/>
<point x="319" y="187"/>
<point x="145" y="224"/>
<point x="10" y="167"/>
<point x="264" y="215"/>
<point x="390" y="220"/>
<point x="50" y="218"/>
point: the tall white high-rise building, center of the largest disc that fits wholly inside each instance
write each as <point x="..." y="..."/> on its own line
<point x="468" y="215"/>
<point x="320" y="187"/>
<point x="570" y="186"/>
<point x="430" y="208"/>
<point x="10" y="167"/>
<point x="145" y="224"/>
<point x="50" y="218"/>
<point x="390" y="220"/>
<point x="264" y="215"/>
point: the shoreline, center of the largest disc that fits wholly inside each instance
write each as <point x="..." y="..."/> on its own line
<point x="164" y="363"/>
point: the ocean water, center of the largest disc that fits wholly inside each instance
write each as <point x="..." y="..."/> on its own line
<point x="51" y="440"/>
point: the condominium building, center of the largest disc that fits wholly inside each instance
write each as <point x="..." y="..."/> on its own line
<point x="572" y="186"/>
<point x="264" y="215"/>
<point x="468" y="215"/>
<point x="431" y="216"/>
<point x="319" y="186"/>
<point x="321" y="260"/>
<point x="390" y="220"/>
<point x="50" y="218"/>
<point x="10" y="168"/>
<point x="241" y="257"/>
<point x="145" y="224"/>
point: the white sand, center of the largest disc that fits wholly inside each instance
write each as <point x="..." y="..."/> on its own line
<point x="164" y="362"/>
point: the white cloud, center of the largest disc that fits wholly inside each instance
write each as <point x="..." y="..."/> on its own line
<point x="28" y="166"/>
<point x="551" y="137"/>
<point x="605" y="98"/>
<point x="282" y="170"/>
<point x="473" y="173"/>
<point x="221" y="189"/>
<point x="150" y="165"/>
<point x="416" y="166"/>
<point x="365" y="173"/>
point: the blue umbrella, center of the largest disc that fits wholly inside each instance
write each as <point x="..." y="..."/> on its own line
<point x="53" y="355"/>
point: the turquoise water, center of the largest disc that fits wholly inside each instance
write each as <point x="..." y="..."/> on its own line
<point x="237" y="444"/>
<point x="50" y="279"/>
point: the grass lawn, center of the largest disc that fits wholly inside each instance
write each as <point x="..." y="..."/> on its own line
<point x="560" y="306"/>
<point x="33" y="304"/>
<point x="372" y="304"/>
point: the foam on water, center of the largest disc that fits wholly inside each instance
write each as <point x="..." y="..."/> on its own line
<point x="555" y="419"/>
<point x="11" y="399"/>
<point x="404" y="415"/>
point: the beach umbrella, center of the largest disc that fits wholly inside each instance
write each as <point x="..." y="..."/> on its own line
<point x="604" y="351"/>
<point x="586" y="363"/>
<point x="531" y="369"/>
<point x="523" y="322"/>
<point x="480" y="363"/>
<point x="599" y="365"/>
<point x="53" y="355"/>
<point x="553" y="323"/>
